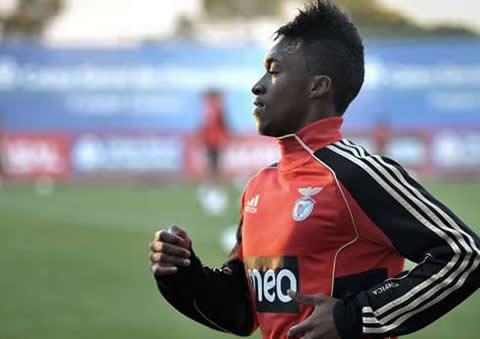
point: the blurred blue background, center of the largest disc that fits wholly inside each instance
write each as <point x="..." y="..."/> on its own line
<point x="160" y="85"/>
<point x="101" y="108"/>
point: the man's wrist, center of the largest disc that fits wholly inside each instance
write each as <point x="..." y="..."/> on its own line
<point x="347" y="318"/>
<point x="185" y="276"/>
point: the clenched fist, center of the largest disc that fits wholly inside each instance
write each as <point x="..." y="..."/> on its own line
<point x="169" y="250"/>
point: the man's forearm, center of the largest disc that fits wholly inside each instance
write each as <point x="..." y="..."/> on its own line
<point x="215" y="298"/>
<point x="355" y="316"/>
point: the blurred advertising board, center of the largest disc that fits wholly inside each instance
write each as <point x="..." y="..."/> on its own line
<point x="154" y="155"/>
<point x="409" y="84"/>
<point x="241" y="157"/>
<point x="456" y="152"/>
<point x="135" y="109"/>
<point x="116" y="153"/>
<point x="34" y="155"/>
<point x="410" y="148"/>
<point x="442" y="152"/>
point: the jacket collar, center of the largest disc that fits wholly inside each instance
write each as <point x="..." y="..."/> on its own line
<point x="295" y="147"/>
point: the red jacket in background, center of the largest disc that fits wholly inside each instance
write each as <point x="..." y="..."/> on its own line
<point x="214" y="130"/>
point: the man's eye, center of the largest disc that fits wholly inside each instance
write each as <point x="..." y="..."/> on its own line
<point x="271" y="71"/>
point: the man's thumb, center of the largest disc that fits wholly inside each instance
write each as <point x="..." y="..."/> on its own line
<point x="177" y="231"/>
<point x="306" y="299"/>
<point x="181" y="233"/>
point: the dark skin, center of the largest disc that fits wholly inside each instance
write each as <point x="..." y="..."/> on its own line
<point x="169" y="250"/>
<point x="320" y="324"/>
<point x="288" y="98"/>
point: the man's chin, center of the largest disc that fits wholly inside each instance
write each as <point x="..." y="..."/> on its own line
<point x="262" y="128"/>
<point x="267" y="130"/>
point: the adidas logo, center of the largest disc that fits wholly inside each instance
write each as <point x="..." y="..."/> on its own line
<point x="251" y="206"/>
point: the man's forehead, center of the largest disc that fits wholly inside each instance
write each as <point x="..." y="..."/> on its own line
<point x="284" y="47"/>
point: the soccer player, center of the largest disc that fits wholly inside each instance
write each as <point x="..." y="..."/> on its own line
<point x="214" y="131"/>
<point x="3" y="146"/>
<point x="323" y="234"/>
<point x="214" y="135"/>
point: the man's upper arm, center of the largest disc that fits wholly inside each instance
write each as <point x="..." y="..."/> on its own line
<point x="421" y="229"/>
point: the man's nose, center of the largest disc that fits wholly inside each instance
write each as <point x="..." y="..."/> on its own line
<point x="258" y="89"/>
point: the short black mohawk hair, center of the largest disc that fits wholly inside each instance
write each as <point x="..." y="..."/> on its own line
<point x="333" y="46"/>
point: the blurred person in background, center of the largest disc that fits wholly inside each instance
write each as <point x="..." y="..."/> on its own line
<point x="324" y="233"/>
<point x="214" y="131"/>
<point x="214" y="135"/>
<point x="2" y="153"/>
<point x="382" y="135"/>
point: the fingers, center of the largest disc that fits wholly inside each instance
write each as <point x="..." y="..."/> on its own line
<point x="174" y="235"/>
<point x="178" y="231"/>
<point x="163" y="247"/>
<point x="167" y="236"/>
<point x="307" y="299"/>
<point x="161" y="271"/>
<point x="320" y="323"/>
<point x="182" y="234"/>
<point x="165" y="259"/>
<point x="298" y="331"/>
<point x="169" y="251"/>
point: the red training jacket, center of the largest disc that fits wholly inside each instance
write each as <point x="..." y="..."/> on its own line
<point x="331" y="218"/>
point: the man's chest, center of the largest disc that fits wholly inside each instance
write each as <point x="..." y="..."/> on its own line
<point x="299" y="219"/>
<point x="290" y="236"/>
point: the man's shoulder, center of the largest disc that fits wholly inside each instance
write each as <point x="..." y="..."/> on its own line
<point x="347" y="153"/>
<point x="355" y="166"/>
<point x="274" y="165"/>
<point x="261" y="174"/>
<point x="265" y="171"/>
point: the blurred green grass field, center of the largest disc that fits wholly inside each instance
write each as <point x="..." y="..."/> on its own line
<point x="74" y="263"/>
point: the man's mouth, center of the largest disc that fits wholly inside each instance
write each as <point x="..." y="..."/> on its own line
<point x="259" y="105"/>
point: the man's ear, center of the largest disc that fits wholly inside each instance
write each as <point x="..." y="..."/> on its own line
<point x="321" y="85"/>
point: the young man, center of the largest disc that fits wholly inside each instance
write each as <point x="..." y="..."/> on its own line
<point x="323" y="233"/>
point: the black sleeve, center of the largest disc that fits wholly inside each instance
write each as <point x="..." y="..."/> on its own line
<point x="422" y="229"/>
<point x="217" y="298"/>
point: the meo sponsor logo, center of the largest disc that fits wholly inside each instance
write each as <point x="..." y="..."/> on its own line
<point x="271" y="278"/>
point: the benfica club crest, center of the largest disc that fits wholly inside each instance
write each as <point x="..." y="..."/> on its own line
<point x="304" y="205"/>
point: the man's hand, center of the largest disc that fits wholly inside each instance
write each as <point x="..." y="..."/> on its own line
<point x="169" y="250"/>
<point x="320" y="323"/>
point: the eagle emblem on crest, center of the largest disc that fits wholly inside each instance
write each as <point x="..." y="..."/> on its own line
<point x="304" y="205"/>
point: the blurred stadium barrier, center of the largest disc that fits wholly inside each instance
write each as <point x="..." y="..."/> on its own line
<point x="135" y="111"/>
